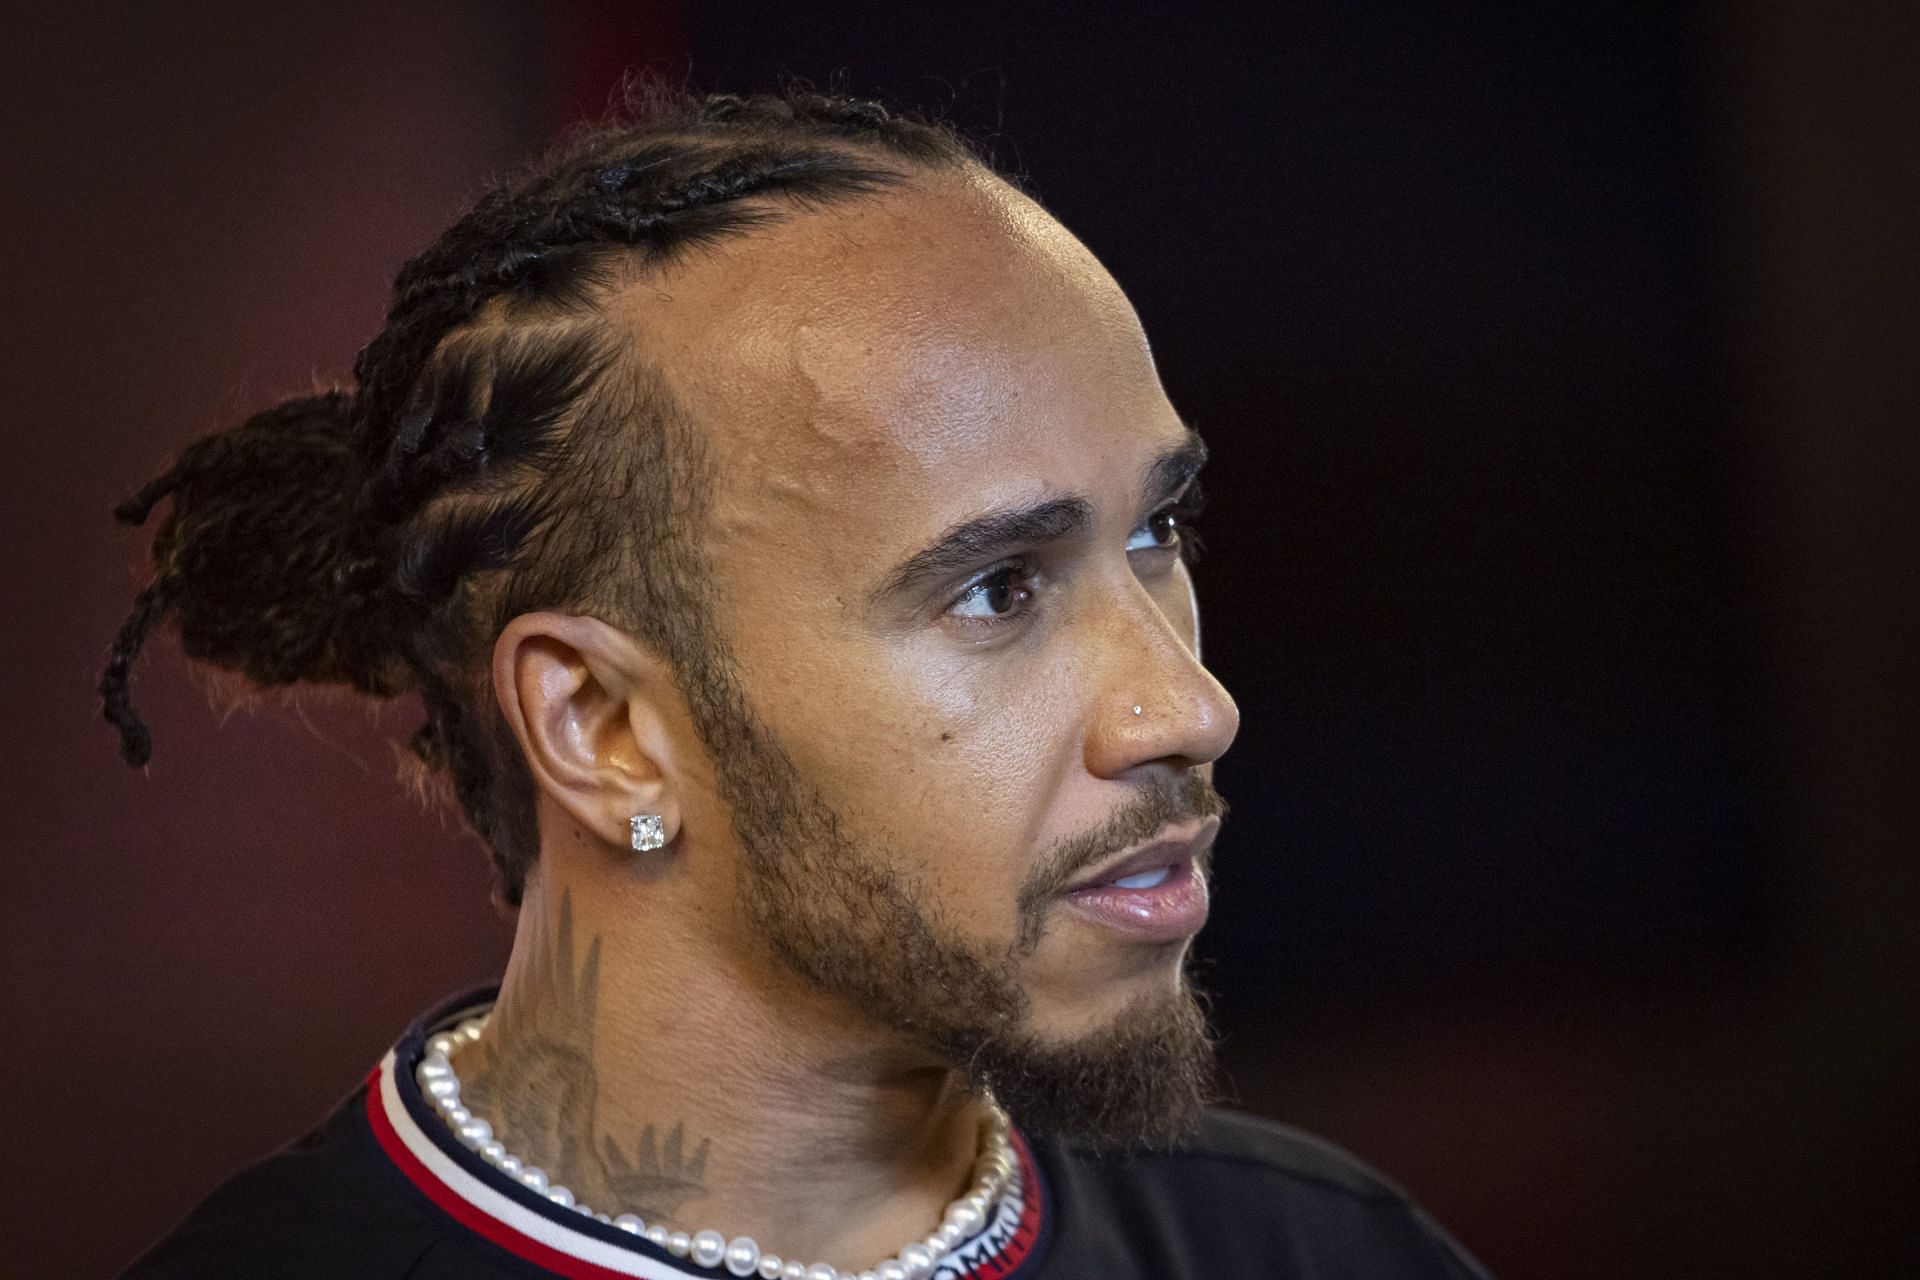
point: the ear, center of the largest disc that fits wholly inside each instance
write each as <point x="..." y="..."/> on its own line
<point x="583" y="698"/>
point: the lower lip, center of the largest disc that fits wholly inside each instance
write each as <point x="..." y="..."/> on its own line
<point x="1169" y="911"/>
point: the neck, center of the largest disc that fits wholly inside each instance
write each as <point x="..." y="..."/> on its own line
<point x="650" y="1075"/>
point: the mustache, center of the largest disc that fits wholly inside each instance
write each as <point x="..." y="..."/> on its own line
<point x="1156" y="806"/>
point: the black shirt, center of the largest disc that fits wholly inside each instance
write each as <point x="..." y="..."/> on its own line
<point x="383" y="1190"/>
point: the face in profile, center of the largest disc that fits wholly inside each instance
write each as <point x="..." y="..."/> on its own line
<point x="961" y="750"/>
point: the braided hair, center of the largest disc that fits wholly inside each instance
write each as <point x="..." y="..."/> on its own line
<point x="502" y="448"/>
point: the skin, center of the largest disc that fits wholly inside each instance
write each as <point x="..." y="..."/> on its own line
<point x="866" y="376"/>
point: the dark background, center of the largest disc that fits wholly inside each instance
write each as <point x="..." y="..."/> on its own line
<point x="1557" y="359"/>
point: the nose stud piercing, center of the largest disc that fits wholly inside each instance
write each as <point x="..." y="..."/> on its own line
<point x="646" y="832"/>
<point x="1136" y="711"/>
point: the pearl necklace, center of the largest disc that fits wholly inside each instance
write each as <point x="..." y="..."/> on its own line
<point x="740" y="1256"/>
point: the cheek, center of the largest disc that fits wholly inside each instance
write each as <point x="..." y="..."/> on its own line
<point x="950" y="763"/>
<point x="977" y="748"/>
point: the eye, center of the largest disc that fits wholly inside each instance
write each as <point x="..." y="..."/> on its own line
<point x="1160" y="532"/>
<point x="1001" y="594"/>
<point x="1171" y="527"/>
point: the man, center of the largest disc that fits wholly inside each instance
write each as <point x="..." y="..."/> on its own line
<point x="784" y="525"/>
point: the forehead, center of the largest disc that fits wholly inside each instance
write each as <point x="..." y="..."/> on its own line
<point x="900" y="362"/>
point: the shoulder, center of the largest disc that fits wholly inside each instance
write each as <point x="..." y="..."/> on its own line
<point x="1249" y="1196"/>
<point x="1233" y="1139"/>
<point x="1234" y="1150"/>
<point x="323" y="1206"/>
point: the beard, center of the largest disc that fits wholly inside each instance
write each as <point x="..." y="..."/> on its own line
<point x="841" y="916"/>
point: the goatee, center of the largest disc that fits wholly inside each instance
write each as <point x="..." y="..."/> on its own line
<point x="1141" y="1081"/>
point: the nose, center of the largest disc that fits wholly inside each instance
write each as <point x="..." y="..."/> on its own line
<point x="1159" y="705"/>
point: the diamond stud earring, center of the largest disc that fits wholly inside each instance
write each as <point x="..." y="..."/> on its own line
<point x="646" y="832"/>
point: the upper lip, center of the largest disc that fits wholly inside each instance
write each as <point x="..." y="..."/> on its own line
<point x="1166" y="849"/>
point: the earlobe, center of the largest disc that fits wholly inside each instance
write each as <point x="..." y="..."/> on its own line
<point x="579" y="696"/>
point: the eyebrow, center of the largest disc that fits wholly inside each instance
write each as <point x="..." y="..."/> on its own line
<point x="1175" y="469"/>
<point x="989" y="536"/>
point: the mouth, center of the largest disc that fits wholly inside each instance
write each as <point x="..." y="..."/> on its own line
<point x="1156" y="893"/>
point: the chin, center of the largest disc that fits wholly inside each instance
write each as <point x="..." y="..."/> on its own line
<point x="1103" y="990"/>
<point x="1137" y="1074"/>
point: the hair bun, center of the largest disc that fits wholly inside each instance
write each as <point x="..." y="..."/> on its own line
<point x="265" y="561"/>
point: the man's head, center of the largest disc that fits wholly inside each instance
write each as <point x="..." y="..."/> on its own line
<point x="846" y="535"/>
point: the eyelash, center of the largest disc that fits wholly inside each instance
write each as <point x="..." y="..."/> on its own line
<point x="1183" y="510"/>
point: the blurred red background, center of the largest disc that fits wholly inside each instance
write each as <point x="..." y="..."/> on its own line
<point x="1558" y="359"/>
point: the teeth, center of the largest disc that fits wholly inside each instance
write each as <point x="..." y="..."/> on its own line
<point x="1145" y="879"/>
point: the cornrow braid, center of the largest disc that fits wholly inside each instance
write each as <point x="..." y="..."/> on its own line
<point x="502" y="449"/>
<point x="648" y="202"/>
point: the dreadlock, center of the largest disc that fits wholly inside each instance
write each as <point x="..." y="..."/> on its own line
<point x="501" y="450"/>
